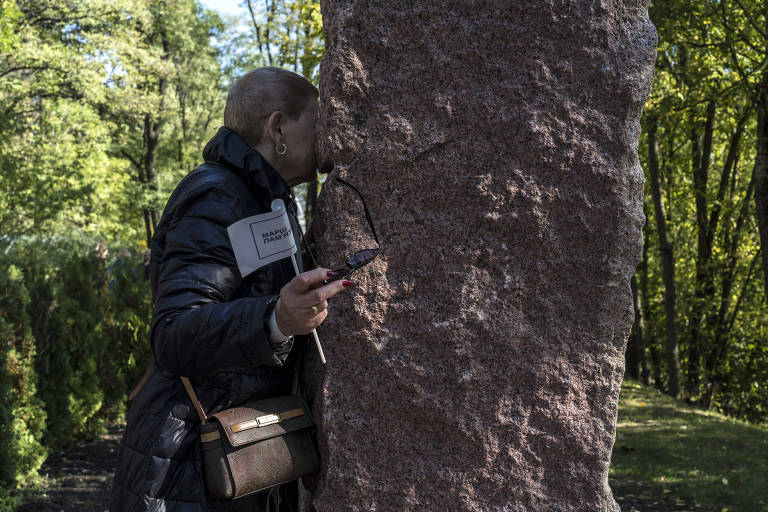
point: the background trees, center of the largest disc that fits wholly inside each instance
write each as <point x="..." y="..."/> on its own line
<point x="703" y="284"/>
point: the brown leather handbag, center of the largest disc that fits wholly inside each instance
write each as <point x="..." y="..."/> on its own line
<point x="256" y="446"/>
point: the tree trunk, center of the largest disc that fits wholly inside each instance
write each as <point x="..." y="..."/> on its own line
<point x="183" y="113"/>
<point x="719" y="374"/>
<point x="668" y="263"/>
<point x="306" y="70"/>
<point x="148" y="228"/>
<point x="761" y="176"/>
<point x="152" y="132"/>
<point x="151" y="140"/>
<point x="645" y="311"/>
<point x="637" y="365"/>
<point x="703" y="288"/>
<point x="269" y="8"/>
<point x="717" y="320"/>
<point x="725" y="317"/>
<point x="255" y="26"/>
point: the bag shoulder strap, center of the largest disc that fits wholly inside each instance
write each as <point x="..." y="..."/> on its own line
<point x="144" y="379"/>
<point x="199" y="406"/>
<point x="195" y="401"/>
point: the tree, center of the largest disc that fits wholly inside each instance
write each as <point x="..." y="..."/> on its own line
<point x="56" y="169"/>
<point x="745" y="38"/>
<point x="180" y="81"/>
<point x="86" y="89"/>
<point x="700" y="130"/>
<point x="665" y="246"/>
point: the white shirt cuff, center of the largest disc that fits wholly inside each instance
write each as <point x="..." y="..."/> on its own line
<point x="275" y="334"/>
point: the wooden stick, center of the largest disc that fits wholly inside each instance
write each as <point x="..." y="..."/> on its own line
<point x="314" y="332"/>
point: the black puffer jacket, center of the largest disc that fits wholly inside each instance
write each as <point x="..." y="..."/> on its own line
<point x="208" y="324"/>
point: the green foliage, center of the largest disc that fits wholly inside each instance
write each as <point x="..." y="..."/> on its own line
<point x="126" y="327"/>
<point x="708" y="459"/>
<point x="709" y="56"/>
<point x="105" y="105"/>
<point x="76" y="324"/>
<point x="286" y="34"/>
<point x="745" y="393"/>
<point x="79" y="328"/>
<point x="56" y="168"/>
<point x="179" y="79"/>
<point x="90" y="321"/>
<point x="8" y="502"/>
<point x="22" y="417"/>
<point x="9" y="15"/>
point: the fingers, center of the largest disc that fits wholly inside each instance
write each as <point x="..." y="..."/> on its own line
<point x="316" y="321"/>
<point x="303" y="302"/>
<point x="304" y="281"/>
<point x="292" y="322"/>
<point x="319" y="307"/>
<point x="313" y="323"/>
<point x="324" y="293"/>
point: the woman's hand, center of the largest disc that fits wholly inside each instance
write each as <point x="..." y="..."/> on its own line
<point x="294" y="311"/>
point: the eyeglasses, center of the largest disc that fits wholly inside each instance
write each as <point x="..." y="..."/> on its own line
<point x="360" y="258"/>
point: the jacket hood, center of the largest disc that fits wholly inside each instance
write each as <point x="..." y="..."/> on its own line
<point x="229" y="149"/>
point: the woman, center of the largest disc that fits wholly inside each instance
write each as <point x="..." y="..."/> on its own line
<point x="232" y="336"/>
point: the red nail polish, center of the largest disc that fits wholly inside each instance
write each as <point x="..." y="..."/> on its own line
<point x="346" y="283"/>
<point x="329" y="273"/>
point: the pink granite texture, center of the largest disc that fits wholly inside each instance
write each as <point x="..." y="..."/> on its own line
<point x="476" y="364"/>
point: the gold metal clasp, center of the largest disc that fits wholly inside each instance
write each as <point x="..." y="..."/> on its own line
<point x="269" y="419"/>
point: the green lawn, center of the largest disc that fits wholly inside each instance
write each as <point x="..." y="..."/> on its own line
<point x="701" y="457"/>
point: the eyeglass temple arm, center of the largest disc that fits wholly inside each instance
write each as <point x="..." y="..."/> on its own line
<point x="365" y="207"/>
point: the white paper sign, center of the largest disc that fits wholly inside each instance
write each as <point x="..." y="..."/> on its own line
<point x="262" y="239"/>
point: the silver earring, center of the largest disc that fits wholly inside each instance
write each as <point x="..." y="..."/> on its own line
<point x="278" y="148"/>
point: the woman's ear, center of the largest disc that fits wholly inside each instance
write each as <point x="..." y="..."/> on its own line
<point x="274" y="127"/>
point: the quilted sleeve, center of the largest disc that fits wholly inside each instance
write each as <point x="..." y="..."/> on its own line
<point x="196" y="328"/>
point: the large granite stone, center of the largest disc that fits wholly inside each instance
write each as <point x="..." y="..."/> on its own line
<point x="476" y="364"/>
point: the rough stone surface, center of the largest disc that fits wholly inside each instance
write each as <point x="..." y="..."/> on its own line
<point x="476" y="364"/>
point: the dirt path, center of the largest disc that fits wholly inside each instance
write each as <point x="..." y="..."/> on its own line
<point x="79" y="479"/>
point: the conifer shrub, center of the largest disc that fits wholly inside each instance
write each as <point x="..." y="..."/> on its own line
<point x="22" y="413"/>
<point x="81" y="306"/>
<point x="53" y="360"/>
<point x="127" y="329"/>
<point x="67" y="288"/>
<point x="74" y="329"/>
<point x="90" y="321"/>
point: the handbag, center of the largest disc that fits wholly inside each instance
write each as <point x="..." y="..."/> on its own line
<point x="256" y="446"/>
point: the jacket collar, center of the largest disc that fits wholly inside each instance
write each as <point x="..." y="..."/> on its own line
<point x="229" y="149"/>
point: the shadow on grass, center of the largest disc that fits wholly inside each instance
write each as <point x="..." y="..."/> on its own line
<point x="704" y="458"/>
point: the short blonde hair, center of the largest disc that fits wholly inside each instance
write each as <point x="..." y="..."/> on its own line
<point x="259" y="93"/>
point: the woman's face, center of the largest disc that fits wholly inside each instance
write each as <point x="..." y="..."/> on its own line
<point x="298" y="164"/>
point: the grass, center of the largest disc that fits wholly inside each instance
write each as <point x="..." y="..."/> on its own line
<point x="702" y="457"/>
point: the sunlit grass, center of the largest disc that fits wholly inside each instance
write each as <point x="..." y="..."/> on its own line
<point x="702" y="457"/>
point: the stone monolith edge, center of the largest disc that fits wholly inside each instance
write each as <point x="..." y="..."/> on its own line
<point x="476" y="364"/>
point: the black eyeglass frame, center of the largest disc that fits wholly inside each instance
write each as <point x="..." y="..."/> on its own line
<point x="351" y="262"/>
